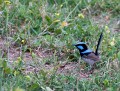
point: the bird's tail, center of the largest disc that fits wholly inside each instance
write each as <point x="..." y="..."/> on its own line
<point x="99" y="41"/>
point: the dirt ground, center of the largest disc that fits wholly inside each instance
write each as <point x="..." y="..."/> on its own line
<point x="70" y="68"/>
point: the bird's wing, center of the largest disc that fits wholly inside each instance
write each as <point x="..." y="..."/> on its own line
<point x="92" y="56"/>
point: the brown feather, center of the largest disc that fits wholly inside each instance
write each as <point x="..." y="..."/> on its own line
<point x="92" y="56"/>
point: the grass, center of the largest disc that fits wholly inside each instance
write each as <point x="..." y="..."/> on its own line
<point x="51" y="27"/>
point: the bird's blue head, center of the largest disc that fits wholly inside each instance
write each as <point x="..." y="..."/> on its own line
<point x="82" y="47"/>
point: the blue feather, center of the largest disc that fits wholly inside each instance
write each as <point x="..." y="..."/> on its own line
<point x="87" y="51"/>
<point x="80" y="47"/>
<point x="81" y="43"/>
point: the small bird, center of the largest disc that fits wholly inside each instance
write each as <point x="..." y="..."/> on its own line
<point x="88" y="55"/>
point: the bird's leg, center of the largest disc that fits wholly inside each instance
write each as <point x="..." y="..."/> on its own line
<point x="79" y="65"/>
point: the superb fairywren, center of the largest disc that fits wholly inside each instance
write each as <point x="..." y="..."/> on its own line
<point x="87" y="54"/>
